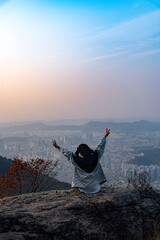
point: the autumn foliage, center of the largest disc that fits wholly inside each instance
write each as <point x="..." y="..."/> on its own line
<point x="27" y="176"/>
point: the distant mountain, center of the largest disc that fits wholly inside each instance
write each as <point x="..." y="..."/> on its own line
<point x="92" y="125"/>
<point x="4" y="165"/>
<point x="126" y="126"/>
<point x="43" y="127"/>
<point x="31" y="126"/>
<point x="150" y="157"/>
<point x="67" y="122"/>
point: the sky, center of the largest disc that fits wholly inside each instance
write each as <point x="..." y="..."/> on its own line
<point x="79" y="59"/>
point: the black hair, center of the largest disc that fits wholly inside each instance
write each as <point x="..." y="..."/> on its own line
<point x="86" y="158"/>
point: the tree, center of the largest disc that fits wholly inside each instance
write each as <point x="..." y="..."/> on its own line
<point x="139" y="180"/>
<point x="29" y="176"/>
<point x="6" y="187"/>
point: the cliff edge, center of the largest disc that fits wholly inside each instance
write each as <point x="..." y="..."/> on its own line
<point x="119" y="214"/>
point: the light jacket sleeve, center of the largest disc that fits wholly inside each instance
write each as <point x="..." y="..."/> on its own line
<point x="68" y="154"/>
<point x="100" y="147"/>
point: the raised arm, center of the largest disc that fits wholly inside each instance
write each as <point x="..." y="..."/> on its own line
<point x="101" y="145"/>
<point x="64" y="151"/>
<point x="107" y="133"/>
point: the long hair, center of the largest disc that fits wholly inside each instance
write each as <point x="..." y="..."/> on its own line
<point x="86" y="158"/>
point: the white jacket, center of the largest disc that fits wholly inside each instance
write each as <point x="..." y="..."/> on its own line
<point x="81" y="178"/>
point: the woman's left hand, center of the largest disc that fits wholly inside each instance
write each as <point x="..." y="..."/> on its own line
<point x="107" y="132"/>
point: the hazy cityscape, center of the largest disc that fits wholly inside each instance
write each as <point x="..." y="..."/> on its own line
<point x="35" y="141"/>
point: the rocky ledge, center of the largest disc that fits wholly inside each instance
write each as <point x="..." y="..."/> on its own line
<point x="119" y="214"/>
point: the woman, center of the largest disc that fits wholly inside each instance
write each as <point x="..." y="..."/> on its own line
<point x="88" y="173"/>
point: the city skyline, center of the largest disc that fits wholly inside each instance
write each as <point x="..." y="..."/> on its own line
<point x="128" y="148"/>
<point x="79" y="59"/>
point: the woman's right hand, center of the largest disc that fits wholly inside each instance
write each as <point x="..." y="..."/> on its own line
<point x="107" y="132"/>
<point x="55" y="144"/>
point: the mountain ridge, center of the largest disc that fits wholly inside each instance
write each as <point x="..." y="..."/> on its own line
<point x="93" y="125"/>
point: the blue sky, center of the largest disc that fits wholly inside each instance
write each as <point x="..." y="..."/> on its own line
<point x="107" y="49"/>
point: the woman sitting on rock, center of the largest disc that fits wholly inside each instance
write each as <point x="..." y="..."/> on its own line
<point x="88" y="173"/>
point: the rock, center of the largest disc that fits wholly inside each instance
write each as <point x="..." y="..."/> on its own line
<point x="122" y="214"/>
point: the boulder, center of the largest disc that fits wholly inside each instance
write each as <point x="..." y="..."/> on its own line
<point x="112" y="214"/>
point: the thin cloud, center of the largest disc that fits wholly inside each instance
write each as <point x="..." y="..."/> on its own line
<point x="156" y="39"/>
<point x="138" y="37"/>
<point x="103" y="57"/>
<point x="123" y="53"/>
<point x="150" y="52"/>
<point x="136" y="29"/>
<point x="135" y="5"/>
<point x="2" y="2"/>
<point x="5" y="8"/>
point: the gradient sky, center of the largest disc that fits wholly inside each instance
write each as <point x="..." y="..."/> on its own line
<point x="79" y="59"/>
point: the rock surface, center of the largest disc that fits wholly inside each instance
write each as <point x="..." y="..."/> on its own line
<point x="121" y="214"/>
